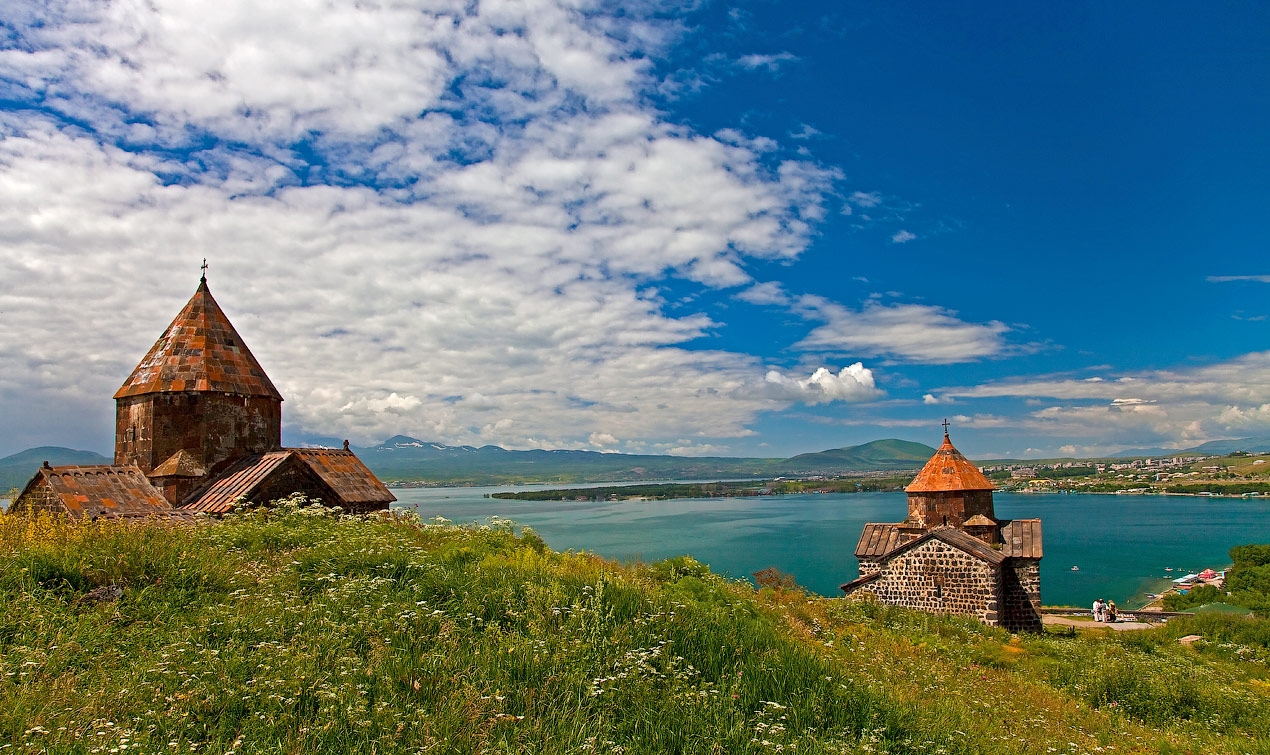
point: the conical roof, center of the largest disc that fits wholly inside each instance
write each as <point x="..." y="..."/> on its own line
<point x="200" y="351"/>
<point x="946" y="471"/>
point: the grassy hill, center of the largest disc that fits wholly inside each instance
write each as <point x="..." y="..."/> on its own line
<point x="295" y="631"/>
<point x="873" y="456"/>
<point x="17" y="470"/>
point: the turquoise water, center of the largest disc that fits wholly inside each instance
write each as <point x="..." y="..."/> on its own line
<point x="1122" y="544"/>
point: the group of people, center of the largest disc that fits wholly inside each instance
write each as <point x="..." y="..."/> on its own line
<point x="1105" y="610"/>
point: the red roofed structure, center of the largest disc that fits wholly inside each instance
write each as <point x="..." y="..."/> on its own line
<point x="951" y="554"/>
<point x="198" y="427"/>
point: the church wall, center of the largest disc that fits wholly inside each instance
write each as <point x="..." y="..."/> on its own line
<point x="939" y="578"/>
<point x="39" y="498"/>
<point x="953" y="508"/>
<point x="1021" y="595"/>
<point x="213" y="427"/>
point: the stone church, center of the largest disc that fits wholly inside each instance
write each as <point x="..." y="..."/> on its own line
<point x="198" y="428"/>
<point x="952" y="555"/>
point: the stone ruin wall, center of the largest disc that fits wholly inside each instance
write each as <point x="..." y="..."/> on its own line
<point x="939" y="578"/>
<point x="1021" y="595"/>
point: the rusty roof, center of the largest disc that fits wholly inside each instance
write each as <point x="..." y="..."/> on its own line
<point x="351" y="480"/>
<point x="180" y="464"/>
<point x="200" y="351"/>
<point x="110" y="491"/>
<point x="341" y="471"/>
<point x="1021" y="538"/>
<point x="239" y="482"/>
<point x="947" y="471"/>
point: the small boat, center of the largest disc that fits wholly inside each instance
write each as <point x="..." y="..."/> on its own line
<point x="1168" y="568"/>
<point x="1075" y="568"/>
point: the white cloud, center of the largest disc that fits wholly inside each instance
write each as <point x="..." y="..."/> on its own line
<point x="1232" y="278"/>
<point x="865" y="198"/>
<point x="909" y="332"/>
<point x="902" y="237"/>
<point x="1188" y="405"/>
<point x="852" y="383"/>
<point x="433" y="217"/>
<point x="771" y="63"/>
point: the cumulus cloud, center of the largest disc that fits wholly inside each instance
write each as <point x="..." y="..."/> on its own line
<point x="902" y="237"/>
<point x="852" y="383"/>
<point x="433" y="217"/>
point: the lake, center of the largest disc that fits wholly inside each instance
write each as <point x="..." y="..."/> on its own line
<point x="1122" y="544"/>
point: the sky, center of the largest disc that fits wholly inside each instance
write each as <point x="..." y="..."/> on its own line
<point x="743" y="229"/>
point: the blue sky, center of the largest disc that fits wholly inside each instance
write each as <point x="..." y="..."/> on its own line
<point x="726" y="228"/>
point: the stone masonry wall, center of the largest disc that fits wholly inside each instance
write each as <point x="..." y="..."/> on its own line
<point x="939" y="578"/>
<point x="214" y="428"/>
<point x="927" y="510"/>
<point x="1021" y="595"/>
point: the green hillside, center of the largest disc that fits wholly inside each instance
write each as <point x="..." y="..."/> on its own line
<point x="873" y="456"/>
<point x="18" y="469"/>
<point x="300" y="632"/>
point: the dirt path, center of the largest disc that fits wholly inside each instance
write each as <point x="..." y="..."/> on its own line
<point x="1119" y="626"/>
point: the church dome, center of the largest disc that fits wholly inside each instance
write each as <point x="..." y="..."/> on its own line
<point x="948" y="471"/>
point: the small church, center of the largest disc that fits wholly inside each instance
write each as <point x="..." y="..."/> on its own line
<point x="198" y="428"/>
<point x="952" y="555"/>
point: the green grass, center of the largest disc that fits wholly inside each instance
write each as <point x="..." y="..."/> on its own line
<point x="297" y="631"/>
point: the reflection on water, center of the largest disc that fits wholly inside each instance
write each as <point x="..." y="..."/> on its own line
<point x="1121" y="544"/>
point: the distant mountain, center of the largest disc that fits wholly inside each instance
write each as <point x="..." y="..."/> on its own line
<point x="878" y="455"/>
<point x="18" y="469"/>
<point x="1259" y="445"/>
<point x="402" y="458"/>
<point x="1129" y="452"/>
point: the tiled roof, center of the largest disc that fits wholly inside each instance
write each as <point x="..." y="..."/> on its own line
<point x="849" y="587"/>
<point x="346" y="474"/>
<point x="948" y="470"/>
<point x="979" y="520"/>
<point x="89" y="492"/>
<point x="200" y="351"/>
<point x="886" y="541"/>
<point x="237" y="482"/>
<point x="878" y="540"/>
<point x="353" y="485"/>
<point x="1021" y="538"/>
<point x="180" y="464"/>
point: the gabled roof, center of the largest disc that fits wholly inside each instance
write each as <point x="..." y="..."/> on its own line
<point x="878" y="540"/>
<point x="351" y="480"/>
<point x="239" y="482"/>
<point x="886" y="534"/>
<point x="1021" y="538"/>
<point x="200" y="351"/>
<point x="979" y="520"/>
<point x="89" y="492"/>
<point x="180" y="464"/>
<point x="947" y="471"/>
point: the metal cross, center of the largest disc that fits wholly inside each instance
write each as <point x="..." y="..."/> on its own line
<point x="204" y="269"/>
<point x="945" y="427"/>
